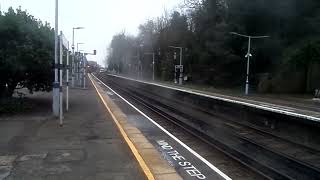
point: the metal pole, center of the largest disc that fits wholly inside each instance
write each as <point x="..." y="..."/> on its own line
<point x="55" y="90"/>
<point x="79" y="61"/>
<point x="181" y="68"/>
<point x="67" y="78"/>
<point x="73" y="62"/>
<point x="138" y="63"/>
<point x="152" y="66"/>
<point x="79" y="72"/>
<point x="175" y="75"/>
<point x="248" y="67"/>
<point x="60" y="87"/>
<point x="79" y="69"/>
<point x="84" y="72"/>
<point x="248" y="55"/>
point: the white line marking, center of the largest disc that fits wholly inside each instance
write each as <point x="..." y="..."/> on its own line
<point x="286" y="112"/>
<point x="284" y="108"/>
<point x="171" y="135"/>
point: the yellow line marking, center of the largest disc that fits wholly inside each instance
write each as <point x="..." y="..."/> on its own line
<point x="134" y="150"/>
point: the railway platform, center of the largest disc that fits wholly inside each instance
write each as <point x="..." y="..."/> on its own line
<point x="89" y="146"/>
<point x="305" y="107"/>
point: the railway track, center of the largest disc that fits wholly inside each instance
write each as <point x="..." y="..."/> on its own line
<point x="236" y="140"/>
<point x="292" y="149"/>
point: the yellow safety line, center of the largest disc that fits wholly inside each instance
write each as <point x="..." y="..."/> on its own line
<point x="134" y="150"/>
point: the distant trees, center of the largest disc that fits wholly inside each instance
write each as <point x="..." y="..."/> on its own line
<point x="26" y="53"/>
<point x="212" y="56"/>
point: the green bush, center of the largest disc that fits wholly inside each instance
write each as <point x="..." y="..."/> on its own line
<point x="26" y="53"/>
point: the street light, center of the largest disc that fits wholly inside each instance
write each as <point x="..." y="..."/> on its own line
<point x="152" y="64"/>
<point x="180" y="65"/>
<point x="55" y="90"/>
<point x="139" y="60"/>
<point x="73" y="61"/>
<point x="248" y="55"/>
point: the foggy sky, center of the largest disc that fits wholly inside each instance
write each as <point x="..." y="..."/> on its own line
<point x="101" y="18"/>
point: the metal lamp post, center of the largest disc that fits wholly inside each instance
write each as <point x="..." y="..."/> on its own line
<point x="248" y="55"/>
<point x="153" y="58"/>
<point x="55" y="90"/>
<point x="67" y="80"/>
<point x="152" y="66"/>
<point x="78" y="66"/>
<point x="180" y="65"/>
<point x="139" y="61"/>
<point x="73" y="55"/>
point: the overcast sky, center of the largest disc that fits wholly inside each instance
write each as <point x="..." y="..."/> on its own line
<point x="101" y="18"/>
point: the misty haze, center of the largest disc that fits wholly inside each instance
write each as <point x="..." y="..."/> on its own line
<point x="159" y="89"/>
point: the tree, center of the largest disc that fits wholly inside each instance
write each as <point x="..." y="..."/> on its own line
<point x="26" y="53"/>
<point x="304" y="57"/>
<point x="213" y="56"/>
<point x="121" y="52"/>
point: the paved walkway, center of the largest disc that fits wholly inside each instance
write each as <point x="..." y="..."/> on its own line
<point x="88" y="146"/>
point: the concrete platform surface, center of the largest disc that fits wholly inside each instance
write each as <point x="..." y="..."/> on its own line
<point x="88" y="146"/>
